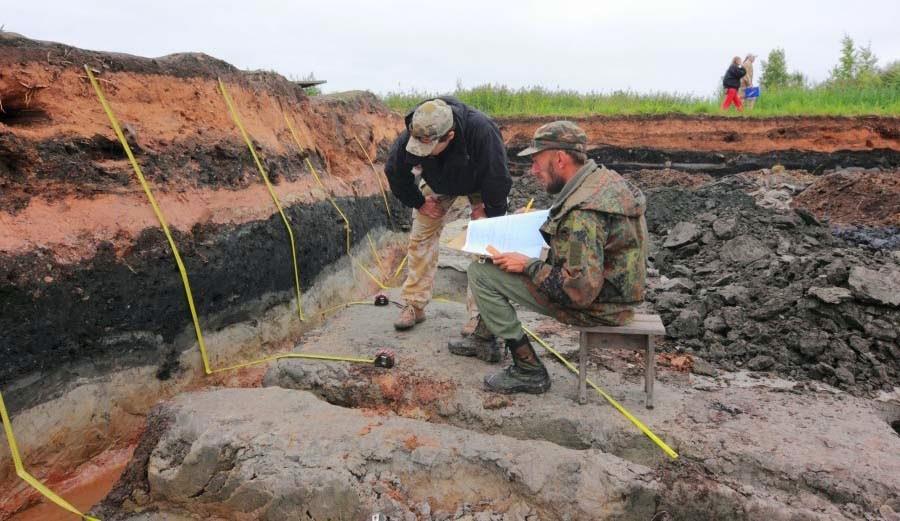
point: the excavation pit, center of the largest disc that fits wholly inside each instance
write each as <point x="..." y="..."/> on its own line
<point x="781" y="360"/>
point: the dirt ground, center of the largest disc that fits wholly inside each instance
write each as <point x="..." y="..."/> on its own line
<point x="755" y="443"/>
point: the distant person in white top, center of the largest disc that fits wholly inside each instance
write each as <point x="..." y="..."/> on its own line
<point x="747" y="80"/>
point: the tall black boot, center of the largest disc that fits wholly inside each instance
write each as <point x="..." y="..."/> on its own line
<point x="526" y="374"/>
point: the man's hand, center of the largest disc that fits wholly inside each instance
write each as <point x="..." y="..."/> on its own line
<point x="510" y="262"/>
<point x="478" y="212"/>
<point x="432" y="208"/>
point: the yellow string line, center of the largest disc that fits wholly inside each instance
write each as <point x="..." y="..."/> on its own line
<point x="375" y="252"/>
<point x="377" y="177"/>
<point x="330" y="197"/>
<point x="400" y="267"/>
<point x="637" y="423"/>
<point x="262" y="172"/>
<point x="28" y="478"/>
<point x="342" y="306"/>
<point x="373" y="277"/>
<point x="157" y="211"/>
<point x="308" y="356"/>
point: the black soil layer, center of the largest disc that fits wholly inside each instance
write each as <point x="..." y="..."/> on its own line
<point x="87" y="166"/>
<point x="721" y="163"/>
<point x="61" y="321"/>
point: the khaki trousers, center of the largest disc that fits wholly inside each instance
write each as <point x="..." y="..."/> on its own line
<point x="424" y="247"/>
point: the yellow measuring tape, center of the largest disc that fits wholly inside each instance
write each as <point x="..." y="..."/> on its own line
<point x="400" y="267"/>
<point x="340" y="212"/>
<point x="157" y="211"/>
<point x="262" y="172"/>
<point x="374" y="250"/>
<point x="377" y="177"/>
<point x="637" y="423"/>
<point x="28" y="478"/>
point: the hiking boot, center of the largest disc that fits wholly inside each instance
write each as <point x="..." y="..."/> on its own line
<point x="409" y="317"/>
<point x="475" y="327"/>
<point x="525" y="375"/>
<point x="490" y="351"/>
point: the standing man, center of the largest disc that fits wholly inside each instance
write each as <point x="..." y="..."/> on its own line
<point x="447" y="150"/>
<point x="596" y="268"/>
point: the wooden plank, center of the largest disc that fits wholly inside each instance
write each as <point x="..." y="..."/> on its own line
<point x="628" y="330"/>
<point x="615" y="341"/>
<point x="642" y="325"/>
<point x="582" y="367"/>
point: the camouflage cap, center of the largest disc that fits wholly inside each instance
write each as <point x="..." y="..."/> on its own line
<point x="558" y="135"/>
<point x="430" y="121"/>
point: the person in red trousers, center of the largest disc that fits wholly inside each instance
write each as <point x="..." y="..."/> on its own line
<point x="732" y="82"/>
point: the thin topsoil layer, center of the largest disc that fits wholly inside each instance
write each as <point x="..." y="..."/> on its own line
<point x="647" y="137"/>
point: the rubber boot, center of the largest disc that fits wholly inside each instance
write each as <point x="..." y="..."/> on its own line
<point x="525" y="375"/>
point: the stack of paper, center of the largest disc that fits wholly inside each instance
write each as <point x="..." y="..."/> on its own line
<point x="510" y="233"/>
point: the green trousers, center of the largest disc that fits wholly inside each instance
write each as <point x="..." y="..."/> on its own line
<point x="495" y="291"/>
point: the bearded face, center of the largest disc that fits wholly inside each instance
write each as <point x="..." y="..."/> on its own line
<point x="544" y="169"/>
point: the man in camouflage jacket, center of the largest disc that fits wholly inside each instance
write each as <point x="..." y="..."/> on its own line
<point x="595" y="270"/>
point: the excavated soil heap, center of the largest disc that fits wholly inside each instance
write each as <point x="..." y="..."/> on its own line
<point x="773" y="290"/>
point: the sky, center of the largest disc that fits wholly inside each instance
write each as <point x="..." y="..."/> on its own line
<point x="600" y="46"/>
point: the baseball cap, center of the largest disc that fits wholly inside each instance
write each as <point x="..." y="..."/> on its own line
<point x="557" y="135"/>
<point x="430" y="121"/>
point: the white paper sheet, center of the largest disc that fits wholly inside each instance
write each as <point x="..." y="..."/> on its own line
<point x="510" y="233"/>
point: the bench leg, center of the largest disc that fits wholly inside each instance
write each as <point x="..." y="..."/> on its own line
<point x="582" y="368"/>
<point x="650" y="372"/>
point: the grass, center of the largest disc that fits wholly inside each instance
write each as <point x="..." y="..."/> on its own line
<point x="499" y="101"/>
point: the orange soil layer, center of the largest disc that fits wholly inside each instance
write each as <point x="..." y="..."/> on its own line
<point x="166" y="112"/>
<point x="72" y="227"/>
<point x="159" y="111"/>
<point x="84" y="488"/>
<point x="718" y="134"/>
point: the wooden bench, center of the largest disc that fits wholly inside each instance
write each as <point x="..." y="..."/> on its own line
<point x="637" y="335"/>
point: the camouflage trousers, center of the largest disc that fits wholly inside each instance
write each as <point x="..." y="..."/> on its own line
<point x="424" y="247"/>
<point x="495" y="291"/>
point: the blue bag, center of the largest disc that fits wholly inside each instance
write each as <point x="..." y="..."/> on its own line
<point x="751" y="92"/>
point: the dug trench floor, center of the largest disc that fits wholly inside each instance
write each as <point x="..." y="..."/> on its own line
<point x="424" y="441"/>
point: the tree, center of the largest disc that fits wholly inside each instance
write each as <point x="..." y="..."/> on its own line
<point x="775" y="72"/>
<point x="846" y="68"/>
<point x="890" y="74"/>
<point x="866" y="66"/>
<point x="796" y="79"/>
